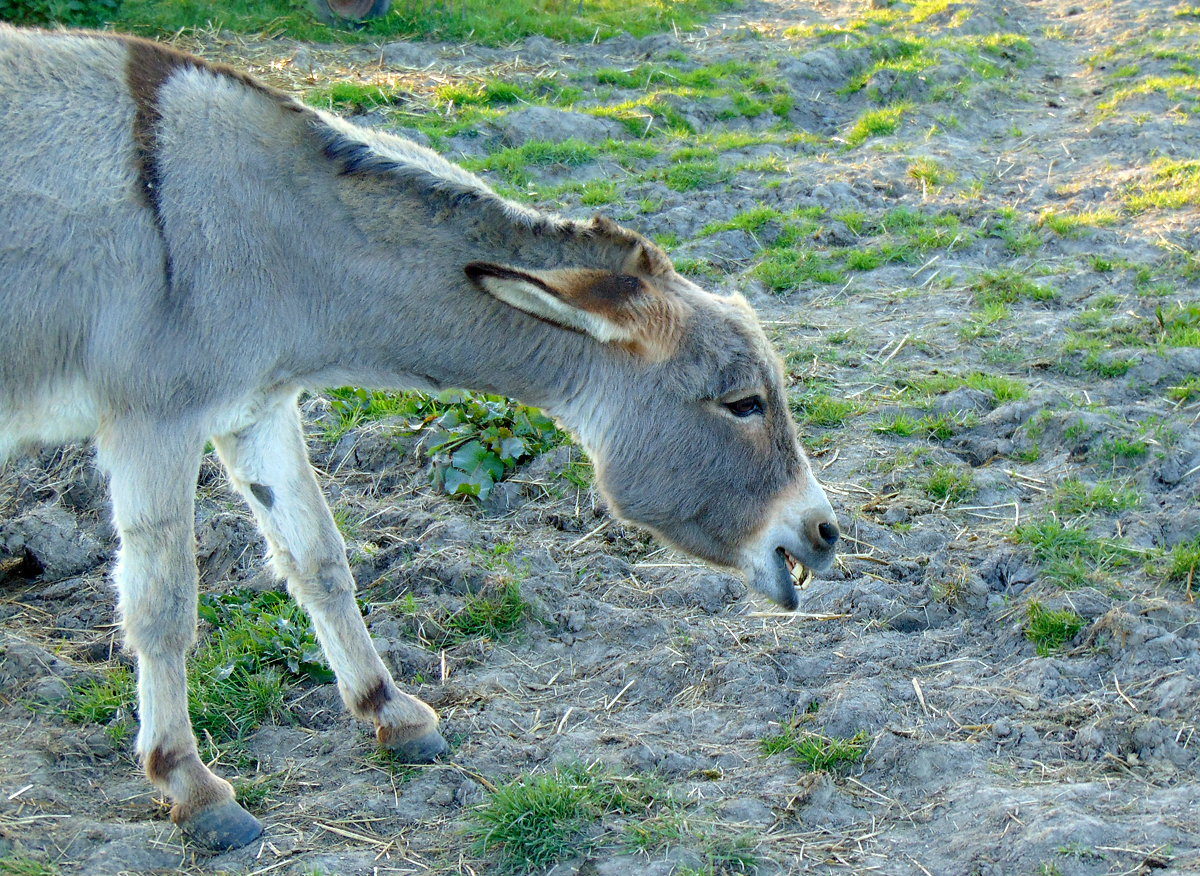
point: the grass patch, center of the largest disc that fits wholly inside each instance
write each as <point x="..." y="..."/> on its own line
<point x="597" y="193"/>
<point x="1186" y="391"/>
<point x="930" y="174"/>
<point x="496" y="613"/>
<point x="492" y="23"/>
<point x="980" y="323"/>
<point x="513" y="164"/>
<point x="1172" y="185"/>
<point x="1120" y="448"/>
<point x="950" y="484"/>
<point x="490" y="615"/>
<point x="1007" y="287"/>
<point x="1181" y="563"/>
<point x="1004" y="389"/>
<point x="688" y="175"/>
<point x="1074" y="498"/>
<point x="815" y="407"/>
<point x="1074" y="224"/>
<point x="1069" y="556"/>
<point x="261" y="645"/>
<point x="876" y="123"/>
<point x="751" y="221"/>
<point x="538" y="819"/>
<point x="816" y="751"/>
<point x="104" y="701"/>
<point x="22" y="866"/>
<point x="1050" y="630"/>
<point x="938" y="427"/>
<point x="788" y="268"/>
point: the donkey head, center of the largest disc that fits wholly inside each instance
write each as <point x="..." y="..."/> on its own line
<point x="685" y="415"/>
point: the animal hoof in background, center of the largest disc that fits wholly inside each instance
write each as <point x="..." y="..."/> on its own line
<point x="222" y="827"/>
<point x="335" y="12"/>
<point x="423" y="749"/>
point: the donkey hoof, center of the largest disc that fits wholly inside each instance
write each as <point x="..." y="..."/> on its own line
<point x="222" y="827"/>
<point x="423" y="749"/>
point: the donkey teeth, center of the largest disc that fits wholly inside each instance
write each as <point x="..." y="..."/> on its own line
<point x="800" y="573"/>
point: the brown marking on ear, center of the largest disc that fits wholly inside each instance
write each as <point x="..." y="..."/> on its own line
<point x="612" y="296"/>
<point x="370" y="703"/>
<point x="646" y="322"/>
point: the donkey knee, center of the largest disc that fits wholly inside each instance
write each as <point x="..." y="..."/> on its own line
<point x="327" y="585"/>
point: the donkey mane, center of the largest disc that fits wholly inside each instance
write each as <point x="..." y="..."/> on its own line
<point x="366" y="153"/>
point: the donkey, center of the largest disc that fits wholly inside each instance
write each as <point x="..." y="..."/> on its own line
<point x="186" y="250"/>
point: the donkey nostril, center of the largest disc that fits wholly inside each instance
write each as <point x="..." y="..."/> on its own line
<point x="829" y="533"/>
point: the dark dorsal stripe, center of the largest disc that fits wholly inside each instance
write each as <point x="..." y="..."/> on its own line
<point x="148" y="66"/>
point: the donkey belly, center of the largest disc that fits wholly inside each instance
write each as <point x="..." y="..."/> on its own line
<point x="63" y="413"/>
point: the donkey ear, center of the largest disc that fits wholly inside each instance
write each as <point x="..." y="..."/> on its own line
<point x="598" y="303"/>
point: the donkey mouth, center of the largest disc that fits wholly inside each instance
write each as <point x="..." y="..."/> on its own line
<point x="800" y="574"/>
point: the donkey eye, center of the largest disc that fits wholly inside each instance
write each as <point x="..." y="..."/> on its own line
<point x="745" y="407"/>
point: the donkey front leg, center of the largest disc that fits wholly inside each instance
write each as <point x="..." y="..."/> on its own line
<point x="268" y="463"/>
<point x="153" y="483"/>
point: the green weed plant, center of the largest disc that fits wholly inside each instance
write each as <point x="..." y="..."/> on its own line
<point x="816" y="751"/>
<point x="1050" y="630"/>
<point x="538" y="819"/>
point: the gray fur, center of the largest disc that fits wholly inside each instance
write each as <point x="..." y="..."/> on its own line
<point x="187" y="250"/>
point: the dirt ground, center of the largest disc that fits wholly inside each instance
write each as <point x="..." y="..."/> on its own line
<point x="982" y="757"/>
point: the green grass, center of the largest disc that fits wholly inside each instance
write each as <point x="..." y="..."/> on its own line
<point x="1074" y="224"/>
<point x="1004" y="389"/>
<point x="513" y="164"/>
<point x="815" y="407"/>
<point x="262" y="644"/>
<point x="980" y="323"/>
<point x="19" y="865"/>
<point x="597" y="193"/>
<point x="937" y="427"/>
<point x="751" y="221"/>
<point x="490" y="615"/>
<point x="816" y="751"/>
<point x="1172" y="185"/>
<point x="688" y="175"/>
<point x="496" y="613"/>
<point x="930" y="173"/>
<point x="876" y="123"/>
<point x="1050" y="630"/>
<point x="494" y="23"/>
<point x="1120" y="448"/>
<point x="789" y="268"/>
<point x="1069" y="555"/>
<point x="1181" y="564"/>
<point x="1074" y="498"/>
<point x="1007" y="287"/>
<point x="1185" y="392"/>
<point x="99" y="701"/>
<point x="950" y="484"/>
<point x="538" y="819"/>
